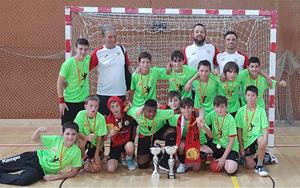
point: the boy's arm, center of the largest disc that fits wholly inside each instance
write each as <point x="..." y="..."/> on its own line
<point x="97" y="152"/>
<point x="240" y="139"/>
<point x="188" y="85"/>
<point x="269" y="79"/>
<point x="61" y="83"/>
<point x="36" y="136"/>
<point x="70" y="173"/>
<point x="169" y="68"/>
<point x="130" y="95"/>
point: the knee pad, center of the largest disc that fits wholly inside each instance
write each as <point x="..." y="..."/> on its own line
<point x="171" y="139"/>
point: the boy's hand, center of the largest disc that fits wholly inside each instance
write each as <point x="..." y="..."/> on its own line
<point x="216" y="72"/>
<point x="97" y="159"/>
<point x="200" y="122"/>
<point x="221" y="163"/>
<point x="42" y="129"/>
<point x="242" y="152"/>
<point x="111" y="133"/>
<point x="62" y="107"/>
<point x="282" y="83"/>
<point x="48" y="177"/>
<point x="90" y="137"/>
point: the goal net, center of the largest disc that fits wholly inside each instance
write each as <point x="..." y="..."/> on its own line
<point x="161" y="31"/>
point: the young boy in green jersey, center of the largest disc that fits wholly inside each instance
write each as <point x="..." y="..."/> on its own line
<point x="224" y="145"/>
<point x="179" y="74"/>
<point x="191" y="132"/>
<point x="49" y="163"/>
<point x="92" y="128"/>
<point x="174" y="98"/>
<point x="253" y="77"/>
<point x="206" y="87"/>
<point x="143" y="82"/>
<point x="152" y="126"/>
<point x="73" y="82"/>
<point x="252" y="124"/>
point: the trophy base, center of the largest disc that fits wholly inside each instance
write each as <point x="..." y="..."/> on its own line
<point x="171" y="176"/>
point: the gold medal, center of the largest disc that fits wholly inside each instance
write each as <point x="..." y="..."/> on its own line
<point x="219" y="146"/>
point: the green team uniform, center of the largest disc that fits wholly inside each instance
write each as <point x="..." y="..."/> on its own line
<point x="254" y="127"/>
<point x="77" y="79"/>
<point x="55" y="157"/>
<point x="205" y="94"/>
<point x="88" y="126"/>
<point x="260" y="82"/>
<point x="228" y="129"/>
<point x="177" y="81"/>
<point x="231" y="90"/>
<point x="149" y="127"/>
<point x="144" y="86"/>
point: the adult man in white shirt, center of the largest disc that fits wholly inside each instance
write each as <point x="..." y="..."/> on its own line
<point x="231" y="53"/>
<point x="200" y="50"/>
<point x="110" y="60"/>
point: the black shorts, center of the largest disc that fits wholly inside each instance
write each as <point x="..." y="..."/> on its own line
<point x="145" y="142"/>
<point x="91" y="149"/>
<point x="233" y="155"/>
<point x="115" y="152"/>
<point x="103" y="104"/>
<point x="74" y="108"/>
<point x="251" y="150"/>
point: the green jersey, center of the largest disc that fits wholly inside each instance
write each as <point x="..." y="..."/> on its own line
<point x="205" y="94"/>
<point x="222" y="129"/>
<point x="231" y="89"/>
<point x="89" y="126"/>
<point x="144" y="86"/>
<point x="177" y="81"/>
<point x="260" y="82"/>
<point x="55" y="157"/>
<point x="76" y="74"/>
<point x="149" y="127"/>
<point x="252" y="123"/>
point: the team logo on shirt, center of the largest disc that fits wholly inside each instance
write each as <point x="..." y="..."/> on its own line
<point x="250" y="128"/>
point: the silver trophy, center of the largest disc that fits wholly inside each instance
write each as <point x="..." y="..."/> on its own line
<point x="155" y="151"/>
<point x="171" y="150"/>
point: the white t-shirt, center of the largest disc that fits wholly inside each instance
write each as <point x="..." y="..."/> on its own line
<point x="239" y="58"/>
<point x="194" y="54"/>
<point x="111" y="77"/>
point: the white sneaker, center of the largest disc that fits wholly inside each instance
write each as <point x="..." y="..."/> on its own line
<point x="270" y="158"/>
<point x="181" y="168"/>
<point x="261" y="171"/>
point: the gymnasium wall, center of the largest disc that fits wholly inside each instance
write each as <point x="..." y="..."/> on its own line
<point x="32" y="45"/>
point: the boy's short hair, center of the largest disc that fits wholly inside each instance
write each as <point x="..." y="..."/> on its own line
<point x="219" y="99"/>
<point x="204" y="63"/>
<point x="186" y="102"/>
<point x="145" y="55"/>
<point x="70" y="125"/>
<point x="252" y="88"/>
<point x="150" y="103"/>
<point x="92" y="98"/>
<point x="82" y="41"/>
<point x="107" y="27"/>
<point x="199" y="24"/>
<point x="230" y="33"/>
<point x="173" y="94"/>
<point x="229" y="66"/>
<point x="254" y="60"/>
<point x="177" y="55"/>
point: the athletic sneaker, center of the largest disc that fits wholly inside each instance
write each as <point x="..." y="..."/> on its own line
<point x="261" y="171"/>
<point x="181" y="168"/>
<point x="270" y="158"/>
<point x="130" y="163"/>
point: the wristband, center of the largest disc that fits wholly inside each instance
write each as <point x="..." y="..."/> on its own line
<point x="61" y="100"/>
